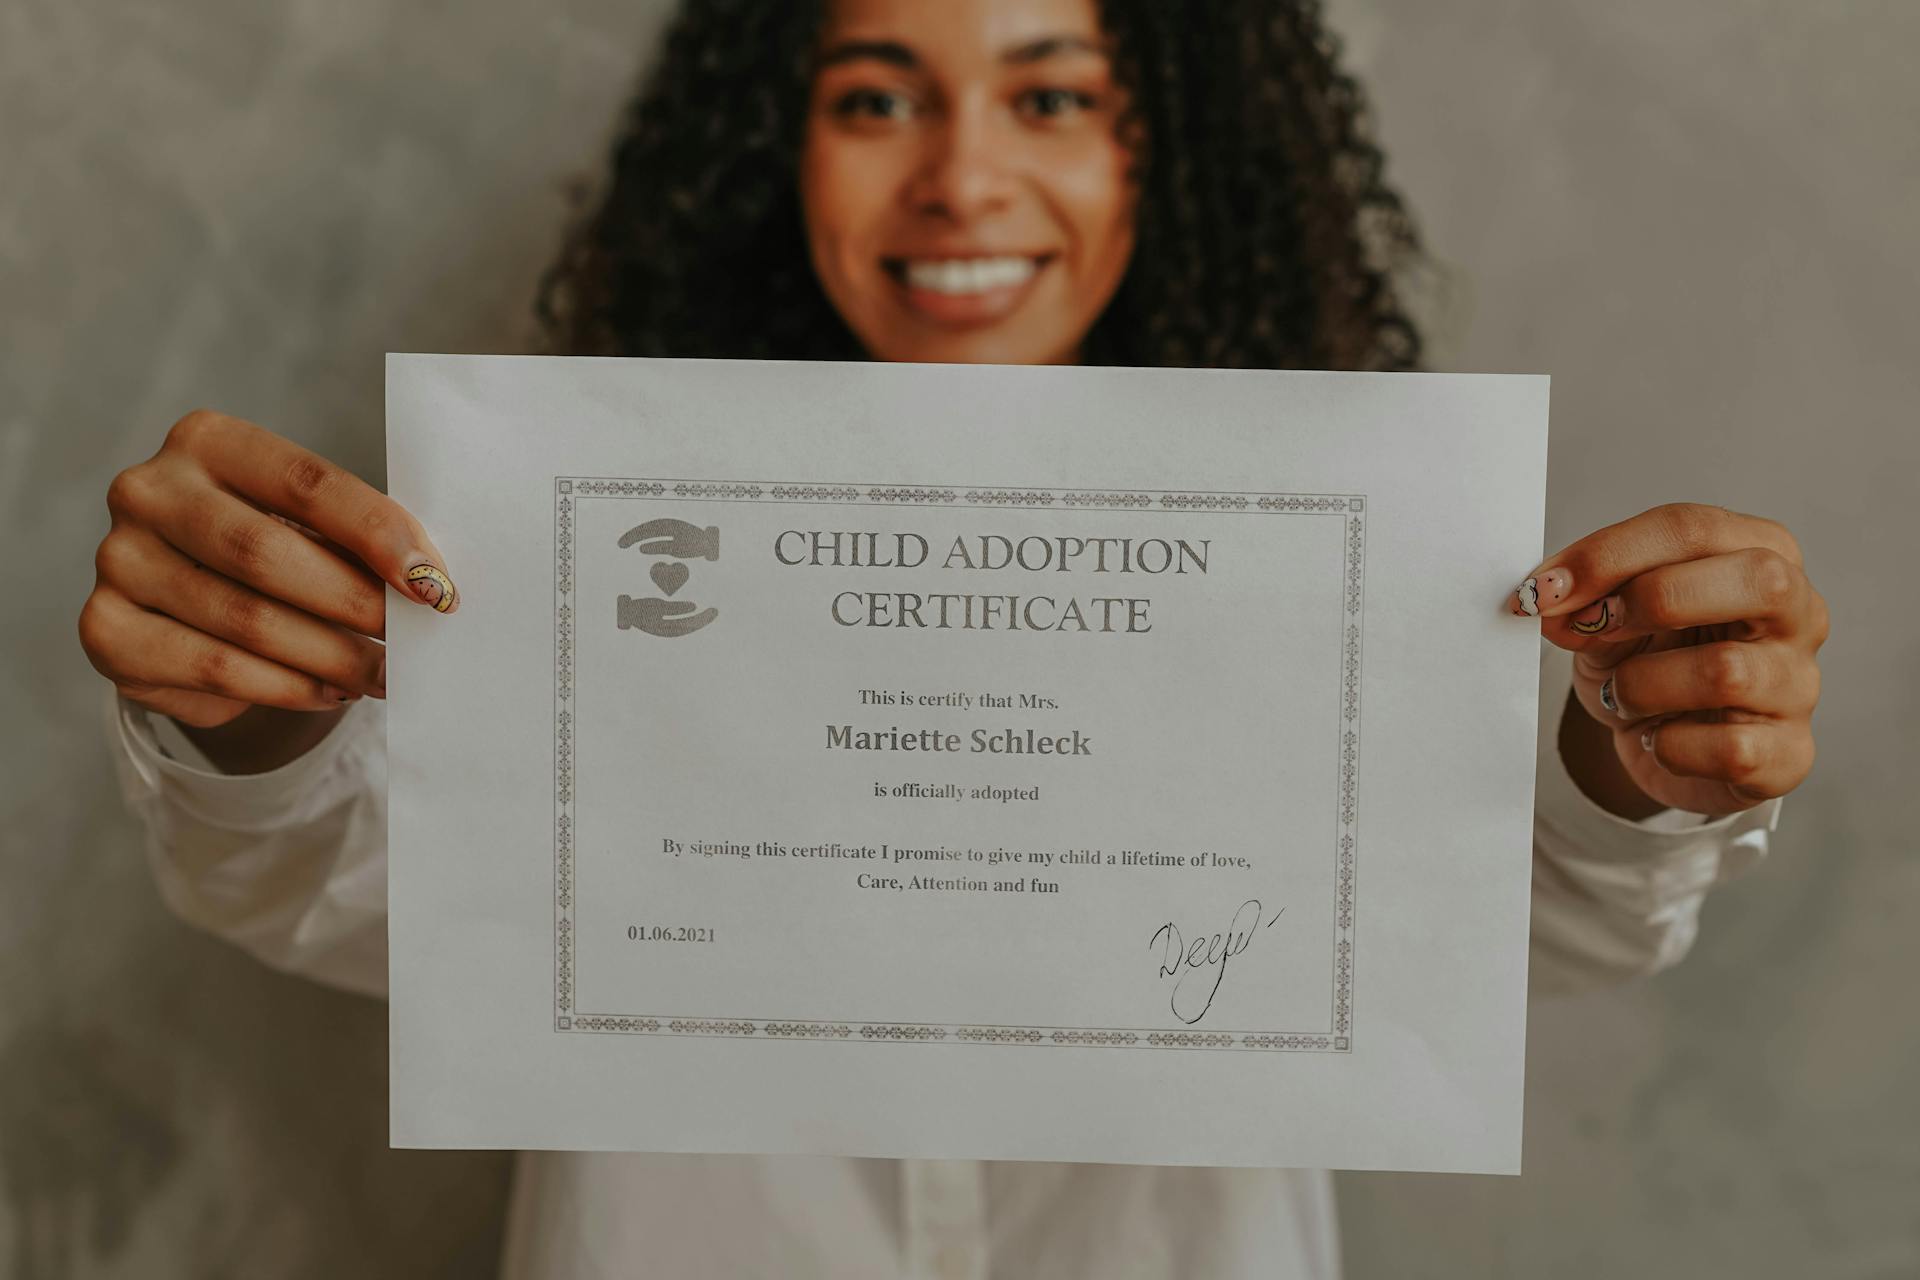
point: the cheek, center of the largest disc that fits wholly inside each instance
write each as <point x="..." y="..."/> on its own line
<point x="818" y="192"/>
<point x="843" y="197"/>
<point x="1099" y="202"/>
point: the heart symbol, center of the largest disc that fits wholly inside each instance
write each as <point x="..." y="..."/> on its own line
<point x="669" y="577"/>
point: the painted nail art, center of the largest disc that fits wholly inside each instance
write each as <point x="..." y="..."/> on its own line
<point x="1597" y="618"/>
<point x="1543" y="590"/>
<point x="432" y="587"/>
<point x="1607" y="698"/>
<point x="1646" y="740"/>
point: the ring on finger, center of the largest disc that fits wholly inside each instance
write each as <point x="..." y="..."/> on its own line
<point x="1610" y="698"/>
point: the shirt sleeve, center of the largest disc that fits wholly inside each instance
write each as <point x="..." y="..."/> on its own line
<point x="289" y="865"/>
<point x="1616" y="899"/>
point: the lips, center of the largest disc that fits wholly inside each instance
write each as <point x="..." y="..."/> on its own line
<point x="966" y="291"/>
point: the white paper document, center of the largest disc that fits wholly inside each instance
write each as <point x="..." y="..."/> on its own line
<point x="952" y="761"/>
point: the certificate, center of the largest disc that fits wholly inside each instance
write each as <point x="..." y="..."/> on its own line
<point x="944" y="761"/>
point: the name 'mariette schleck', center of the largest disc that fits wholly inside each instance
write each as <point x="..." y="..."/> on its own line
<point x="969" y="611"/>
<point x="992" y="552"/>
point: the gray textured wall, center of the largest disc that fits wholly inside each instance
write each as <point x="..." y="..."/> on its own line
<point x="1699" y="218"/>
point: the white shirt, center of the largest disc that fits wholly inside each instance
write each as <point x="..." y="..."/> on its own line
<point x="291" y="866"/>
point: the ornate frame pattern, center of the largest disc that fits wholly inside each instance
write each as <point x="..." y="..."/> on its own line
<point x="1351" y="508"/>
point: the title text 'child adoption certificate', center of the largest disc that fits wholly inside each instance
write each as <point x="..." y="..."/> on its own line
<point x="942" y="761"/>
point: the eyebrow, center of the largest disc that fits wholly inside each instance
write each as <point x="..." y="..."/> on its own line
<point x="1049" y="46"/>
<point x="894" y="53"/>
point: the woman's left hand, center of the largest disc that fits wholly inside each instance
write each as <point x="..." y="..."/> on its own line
<point x="1694" y="631"/>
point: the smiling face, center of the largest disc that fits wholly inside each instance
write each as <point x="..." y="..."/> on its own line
<point x="966" y="196"/>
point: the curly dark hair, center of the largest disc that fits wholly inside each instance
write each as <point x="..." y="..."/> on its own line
<point x="1265" y="234"/>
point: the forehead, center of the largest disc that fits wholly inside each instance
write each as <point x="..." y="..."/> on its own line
<point x="962" y="26"/>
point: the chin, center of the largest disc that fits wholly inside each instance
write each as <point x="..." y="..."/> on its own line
<point x="983" y="347"/>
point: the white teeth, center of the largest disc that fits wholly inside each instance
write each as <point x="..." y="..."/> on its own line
<point x="969" y="275"/>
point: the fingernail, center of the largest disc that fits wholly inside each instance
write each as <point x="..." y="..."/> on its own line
<point x="1646" y="740"/>
<point x="334" y="694"/>
<point x="433" y="587"/>
<point x="1598" y="618"/>
<point x="1542" y="591"/>
<point x="1608" y="699"/>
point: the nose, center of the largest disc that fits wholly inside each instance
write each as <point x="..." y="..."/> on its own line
<point x="966" y="172"/>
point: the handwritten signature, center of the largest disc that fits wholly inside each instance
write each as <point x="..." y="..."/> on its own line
<point x="1187" y="963"/>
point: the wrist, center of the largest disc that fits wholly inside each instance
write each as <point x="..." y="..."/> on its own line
<point x="261" y="739"/>
<point x="1586" y="748"/>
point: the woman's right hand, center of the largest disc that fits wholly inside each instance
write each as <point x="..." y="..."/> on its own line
<point x="243" y="571"/>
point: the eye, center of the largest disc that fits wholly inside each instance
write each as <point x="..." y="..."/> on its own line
<point x="872" y="104"/>
<point x="1054" y="103"/>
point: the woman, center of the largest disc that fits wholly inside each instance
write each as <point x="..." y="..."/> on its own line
<point x="1015" y="181"/>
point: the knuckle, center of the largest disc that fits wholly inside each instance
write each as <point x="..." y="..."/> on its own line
<point x="110" y="558"/>
<point x="1662" y="602"/>
<point x="1822" y="620"/>
<point x="384" y="529"/>
<point x="193" y="430"/>
<point x="212" y="668"/>
<point x="1773" y="576"/>
<point x="248" y="618"/>
<point x="1689" y="523"/>
<point x="122" y="560"/>
<point x="96" y="632"/>
<point x="1741" y="753"/>
<point x="376" y="525"/>
<point x="1729" y="672"/>
<point x="1588" y="565"/>
<point x="130" y="493"/>
<point x="247" y="545"/>
<point x="365" y="603"/>
<point x="1793" y="552"/>
<point x="310" y="480"/>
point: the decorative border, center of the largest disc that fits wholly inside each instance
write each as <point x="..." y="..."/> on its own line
<point x="1351" y="508"/>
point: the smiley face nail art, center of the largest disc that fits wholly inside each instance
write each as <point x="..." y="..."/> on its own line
<point x="432" y="587"/>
